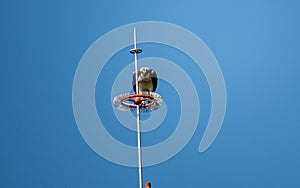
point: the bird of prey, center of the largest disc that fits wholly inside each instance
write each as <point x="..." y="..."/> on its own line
<point x="147" y="80"/>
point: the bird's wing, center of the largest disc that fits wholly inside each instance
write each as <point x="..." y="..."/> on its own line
<point x="154" y="79"/>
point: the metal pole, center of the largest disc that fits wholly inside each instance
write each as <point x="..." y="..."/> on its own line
<point x="139" y="146"/>
<point x="135" y="62"/>
<point x="138" y="113"/>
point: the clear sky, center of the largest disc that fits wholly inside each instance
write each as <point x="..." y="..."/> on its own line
<point x="255" y="42"/>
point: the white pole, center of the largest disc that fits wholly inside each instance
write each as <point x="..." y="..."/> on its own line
<point x="138" y="128"/>
<point x="139" y="146"/>
<point x="135" y="63"/>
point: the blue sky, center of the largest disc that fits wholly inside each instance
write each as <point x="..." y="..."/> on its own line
<point x="255" y="42"/>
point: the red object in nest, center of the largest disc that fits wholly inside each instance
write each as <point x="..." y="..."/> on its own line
<point x="138" y="99"/>
<point x="147" y="101"/>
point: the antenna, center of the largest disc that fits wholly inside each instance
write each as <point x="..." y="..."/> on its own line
<point x="142" y="101"/>
<point x="136" y="51"/>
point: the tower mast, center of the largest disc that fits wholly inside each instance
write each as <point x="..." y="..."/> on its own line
<point x="136" y="51"/>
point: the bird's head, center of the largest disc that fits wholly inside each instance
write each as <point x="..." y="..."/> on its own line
<point x="147" y="79"/>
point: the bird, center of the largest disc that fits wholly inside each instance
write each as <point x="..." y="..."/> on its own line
<point x="147" y="80"/>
